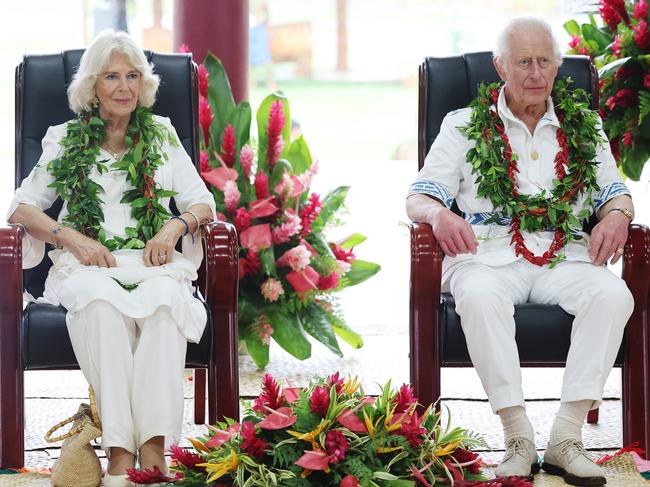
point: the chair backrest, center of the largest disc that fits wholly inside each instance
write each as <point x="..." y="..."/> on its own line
<point x="449" y="83"/>
<point x="41" y="101"/>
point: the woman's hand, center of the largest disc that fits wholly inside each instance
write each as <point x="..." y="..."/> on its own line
<point x="86" y="250"/>
<point x="160" y="248"/>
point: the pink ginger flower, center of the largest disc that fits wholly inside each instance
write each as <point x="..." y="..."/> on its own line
<point x="242" y="219"/>
<point x="184" y="48"/>
<point x="246" y="158"/>
<point x="308" y="175"/>
<point x="204" y="162"/>
<point x="343" y="266"/>
<point x="203" y="80"/>
<point x="326" y="283"/>
<point x="264" y="330"/>
<point x="297" y="258"/>
<point x="642" y="35"/>
<point x="284" y="186"/>
<point x="231" y="195"/>
<point x="617" y="46"/>
<point x="272" y="289"/>
<point x="641" y="10"/>
<point x="274" y="132"/>
<point x="205" y="118"/>
<point x="627" y="139"/>
<point x="228" y="148"/>
<point x="288" y="229"/>
<point x="261" y="185"/>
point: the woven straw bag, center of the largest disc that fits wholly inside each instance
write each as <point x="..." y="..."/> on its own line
<point x="78" y="465"/>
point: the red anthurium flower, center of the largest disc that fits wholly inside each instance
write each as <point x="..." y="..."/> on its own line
<point x="351" y="421"/>
<point x="308" y="246"/>
<point x="257" y="237"/>
<point x="203" y="80"/>
<point x="219" y="176"/>
<point x="205" y="118"/>
<point x="262" y="208"/>
<point x="304" y="280"/>
<point x="278" y="419"/>
<point x="147" y="476"/>
<point x="251" y="444"/>
<point x="350" y="481"/>
<point x="228" y="148"/>
<point x="404" y="398"/>
<point x="314" y="460"/>
<point x="329" y="282"/>
<point x="271" y="395"/>
<point x="336" y="445"/>
<point x="291" y="394"/>
<point x="222" y="436"/>
<point x="297" y="188"/>
<point x="319" y="401"/>
<point x="261" y="185"/>
<point x="185" y="457"/>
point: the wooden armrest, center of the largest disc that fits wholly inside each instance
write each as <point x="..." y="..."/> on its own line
<point x="636" y="265"/>
<point x="11" y="258"/>
<point x="220" y="280"/>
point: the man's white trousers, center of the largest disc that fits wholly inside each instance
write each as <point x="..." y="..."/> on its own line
<point x="485" y="298"/>
<point x="136" y="368"/>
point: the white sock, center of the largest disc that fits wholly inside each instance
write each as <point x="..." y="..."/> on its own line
<point x="569" y="420"/>
<point x="516" y="423"/>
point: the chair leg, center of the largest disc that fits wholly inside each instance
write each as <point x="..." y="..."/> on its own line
<point x="199" y="396"/>
<point x="592" y="416"/>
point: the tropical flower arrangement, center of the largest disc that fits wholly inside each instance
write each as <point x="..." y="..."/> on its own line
<point x="331" y="434"/>
<point x="620" y="50"/>
<point x="289" y="272"/>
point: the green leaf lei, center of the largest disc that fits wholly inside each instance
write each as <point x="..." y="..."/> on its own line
<point x="495" y="164"/>
<point x="73" y="184"/>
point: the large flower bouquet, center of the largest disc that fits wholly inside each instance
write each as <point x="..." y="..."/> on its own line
<point x="331" y="434"/>
<point x="621" y="52"/>
<point x="288" y="270"/>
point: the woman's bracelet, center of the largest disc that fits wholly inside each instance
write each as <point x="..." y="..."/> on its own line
<point x="198" y="222"/>
<point x="187" y="226"/>
<point x="54" y="232"/>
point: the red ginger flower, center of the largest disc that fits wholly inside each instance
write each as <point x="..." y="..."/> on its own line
<point x="251" y="444"/>
<point x="271" y="395"/>
<point x="274" y="133"/>
<point x="404" y="398"/>
<point x="203" y="80"/>
<point x="261" y="185"/>
<point x="623" y="98"/>
<point x="336" y="445"/>
<point x="249" y="265"/>
<point x="412" y="429"/>
<point x="627" y="139"/>
<point x="205" y="118"/>
<point x="185" y="457"/>
<point x="617" y="46"/>
<point x="309" y="213"/>
<point x="646" y="81"/>
<point x="609" y="15"/>
<point x="242" y="219"/>
<point x="147" y="476"/>
<point x="642" y="35"/>
<point x="641" y="10"/>
<point x="228" y="148"/>
<point x="335" y="381"/>
<point x="464" y="456"/>
<point x="341" y="254"/>
<point x="319" y="401"/>
<point x="204" y="162"/>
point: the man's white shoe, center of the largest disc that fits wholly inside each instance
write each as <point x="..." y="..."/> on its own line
<point x="520" y="459"/>
<point x="569" y="459"/>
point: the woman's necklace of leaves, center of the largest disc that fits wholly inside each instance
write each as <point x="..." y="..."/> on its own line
<point x="575" y="167"/>
<point x="72" y="182"/>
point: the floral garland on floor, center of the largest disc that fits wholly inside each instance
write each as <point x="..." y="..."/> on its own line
<point x="74" y="185"/>
<point x="496" y="167"/>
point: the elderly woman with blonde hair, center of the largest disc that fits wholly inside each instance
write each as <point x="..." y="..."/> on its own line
<point x="127" y="291"/>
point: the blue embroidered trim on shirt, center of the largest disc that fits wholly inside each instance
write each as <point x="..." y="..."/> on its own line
<point x="432" y="189"/>
<point x="482" y="218"/>
<point x="608" y="192"/>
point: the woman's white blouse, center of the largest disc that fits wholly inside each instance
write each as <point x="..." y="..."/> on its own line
<point x="447" y="176"/>
<point x="74" y="285"/>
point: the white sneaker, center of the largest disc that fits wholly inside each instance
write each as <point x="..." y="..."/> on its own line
<point x="520" y="459"/>
<point x="569" y="459"/>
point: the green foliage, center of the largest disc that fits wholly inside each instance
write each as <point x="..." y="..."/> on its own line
<point x="360" y="271"/>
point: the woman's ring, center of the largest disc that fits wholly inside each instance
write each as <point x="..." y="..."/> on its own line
<point x="162" y="257"/>
<point x="620" y="250"/>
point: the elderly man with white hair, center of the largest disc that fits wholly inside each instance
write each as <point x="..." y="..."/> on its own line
<point x="526" y="163"/>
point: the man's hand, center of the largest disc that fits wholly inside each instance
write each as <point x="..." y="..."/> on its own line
<point x="86" y="250"/>
<point x="454" y="234"/>
<point x="608" y="237"/>
<point x="160" y="248"/>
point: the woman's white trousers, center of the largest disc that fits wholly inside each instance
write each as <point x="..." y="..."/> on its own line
<point x="136" y="368"/>
<point x="485" y="298"/>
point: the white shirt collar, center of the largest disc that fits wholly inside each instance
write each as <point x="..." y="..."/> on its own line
<point x="549" y="118"/>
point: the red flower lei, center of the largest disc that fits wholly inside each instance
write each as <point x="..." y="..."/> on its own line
<point x="493" y="160"/>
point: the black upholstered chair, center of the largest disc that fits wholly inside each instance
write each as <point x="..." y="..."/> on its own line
<point x="543" y="331"/>
<point x="36" y="338"/>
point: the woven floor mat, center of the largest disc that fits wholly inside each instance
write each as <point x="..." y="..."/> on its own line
<point x="620" y="472"/>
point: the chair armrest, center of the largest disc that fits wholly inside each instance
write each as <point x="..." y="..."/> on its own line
<point x="221" y="293"/>
<point x="426" y="266"/>
<point x="636" y="264"/>
<point x="11" y="285"/>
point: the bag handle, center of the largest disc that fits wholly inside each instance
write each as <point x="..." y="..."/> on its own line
<point x="94" y="417"/>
